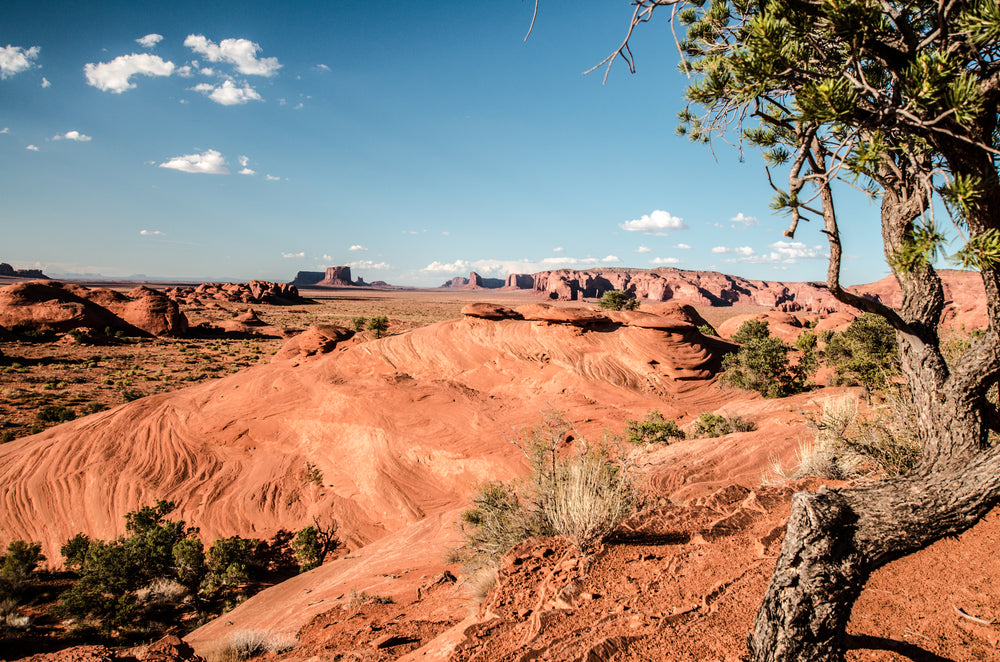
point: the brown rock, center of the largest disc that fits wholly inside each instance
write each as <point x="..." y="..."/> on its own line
<point x="490" y="311"/>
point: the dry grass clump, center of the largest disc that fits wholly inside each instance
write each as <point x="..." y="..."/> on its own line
<point x="247" y="644"/>
<point x="583" y="495"/>
<point x="850" y="444"/>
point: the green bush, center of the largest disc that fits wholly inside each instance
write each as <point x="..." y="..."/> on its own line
<point x="55" y="414"/>
<point x="762" y="363"/>
<point x="617" y="300"/>
<point x="314" y="543"/>
<point x="583" y="495"/>
<point x="707" y="330"/>
<point x="359" y="324"/>
<point x="865" y="353"/>
<point x="378" y="325"/>
<point x="653" y="429"/>
<point x="714" y="425"/>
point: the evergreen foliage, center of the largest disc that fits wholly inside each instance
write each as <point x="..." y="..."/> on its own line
<point x="378" y="325"/>
<point x="617" y="300"/>
<point x="865" y="353"/>
<point x="654" y="429"/>
<point x="762" y="363"/>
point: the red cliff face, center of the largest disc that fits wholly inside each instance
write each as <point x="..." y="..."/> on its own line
<point x="337" y="277"/>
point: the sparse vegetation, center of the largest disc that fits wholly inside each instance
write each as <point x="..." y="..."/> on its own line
<point x="617" y="300"/>
<point x="314" y="543"/>
<point x="378" y="325"/>
<point x="654" y="429"/>
<point x="583" y="494"/>
<point x="865" y="353"/>
<point x="716" y="425"/>
<point x="762" y="363"/>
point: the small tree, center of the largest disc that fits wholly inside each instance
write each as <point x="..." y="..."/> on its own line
<point x="865" y="353"/>
<point x="653" y="429"/>
<point x="762" y="364"/>
<point x="378" y="325"/>
<point x="359" y="323"/>
<point x="617" y="300"/>
<point x="314" y="543"/>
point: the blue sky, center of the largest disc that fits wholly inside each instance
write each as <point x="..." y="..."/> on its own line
<point x="415" y="141"/>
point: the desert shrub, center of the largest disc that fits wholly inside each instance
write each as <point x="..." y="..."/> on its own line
<point x="21" y="559"/>
<point x="865" y="353"/>
<point x="652" y="430"/>
<point x="231" y="562"/>
<point x="617" y="300"/>
<point x="707" y="330"/>
<point x="762" y="363"/>
<point x="55" y="414"/>
<point x="849" y="444"/>
<point x="249" y="643"/>
<point x="582" y="495"/>
<point x="378" y="325"/>
<point x="189" y="562"/>
<point x="314" y="543"/>
<point x="716" y="425"/>
<point x="359" y="324"/>
<point x="75" y="551"/>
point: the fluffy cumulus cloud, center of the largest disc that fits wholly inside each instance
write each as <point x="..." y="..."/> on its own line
<point x="32" y="148"/>
<point x="611" y="259"/>
<point x="209" y="162"/>
<point x="658" y="222"/>
<point x="734" y="250"/>
<point x="740" y="219"/>
<point x="357" y="247"/>
<point x="151" y="233"/>
<point x="665" y="260"/>
<point x="369" y="264"/>
<point x="73" y="135"/>
<point x="558" y="249"/>
<point x="644" y="249"/>
<point x="241" y="53"/>
<point x="245" y="163"/>
<point x="272" y="178"/>
<point x="6" y="129"/>
<point x="228" y="94"/>
<point x="447" y="267"/>
<point x="45" y="82"/>
<point x="14" y="59"/>
<point x="149" y="40"/>
<point x="115" y="76"/>
<point x="782" y="252"/>
<point x="683" y="247"/>
<point x="300" y="254"/>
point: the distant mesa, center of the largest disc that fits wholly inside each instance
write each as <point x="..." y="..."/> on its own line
<point x="7" y="270"/>
<point x="256" y="291"/>
<point x="333" y="277"/>
<point x="474" y="282"/>
<point x="61" y="307"/>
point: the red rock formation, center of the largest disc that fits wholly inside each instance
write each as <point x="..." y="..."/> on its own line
<point x="256" y="291"/>
<point x="520" y="282"/>
<point x="337" y="277"/>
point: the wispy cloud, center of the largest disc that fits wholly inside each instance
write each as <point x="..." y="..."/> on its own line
<point x="272" y="178"/>
<point x="45" y="82"/>
<point x="242" y="53"/>
<point x="644" y="249"/>
<point x="657" y="222"/>
<point x="14" y="59"/>
<point x="228" y="94"/>
<point x="300" y="254"/>
<point x="369" y="264"/>
<point x="665" y="260"/>
<point x="782" y="252"/>
<point x="32" y="148"/>
<point x="323" y="67"/>
<point x="5" y="130"/>
<point x="150" y="40"/>
<point x="737" y="250"/>
<point x="357" y="247"/>
<point x="746" y="221"/>
<point x="149" y="233"/>
<point x="683" y="247"/>
<point x="115" y="76"/>
<point x="73" y="135"/>
<point x="209" y="162"/>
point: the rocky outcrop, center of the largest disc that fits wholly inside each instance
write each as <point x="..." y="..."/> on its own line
<point x="337" y="277"/>
<point x="474" y="282"/>
<point x="307" y="278"/>
<point x="61" y="307"/>
<point x="705" y="288"/>
<point x="7" y="270"/>
<point x="256" y="291"/>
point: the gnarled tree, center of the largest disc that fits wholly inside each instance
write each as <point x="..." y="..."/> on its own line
<point x="901" y="99"/>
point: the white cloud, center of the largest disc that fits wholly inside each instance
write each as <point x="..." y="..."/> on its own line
<point x="185" y="71"/>
<point x="45" y="82"/>
<point x="14" y="59"/>
<point x="248" y="171"/>
<point x="744" y="220"/>
<point x="6" y="129"/>
<point x="656" y="223"/>
<point x="294" y="255"/>
<point x="272" y="178"/>
<point x="73" y="135"/>
<point x="558" y="249"/>
<point x="737" y="250"/>
<point x="369" y="264"/>
<point x="209" y="162"/>
<point x="611" y="259"/>
<point x="665" y="260"/>
<point x="114" y="76"/>
<point x="783" y="252"/>
<point x="644" y="249"/>
<point x="240" y="52"/>
<point x="327" y="258"/>
<point x="244" y="160"/>
<point x="33" y="148"/>
<point x="357" y="247"/>
<point x="683" y="247"/>
<point x="323" y="67"/>
<point x="228" y="94"/>
<point x="448" y="267"/>
<point x="148" y="233"/>
<point x="149" y="40"/>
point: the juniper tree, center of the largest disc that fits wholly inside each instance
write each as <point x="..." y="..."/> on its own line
<point x="899" y="99"/>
